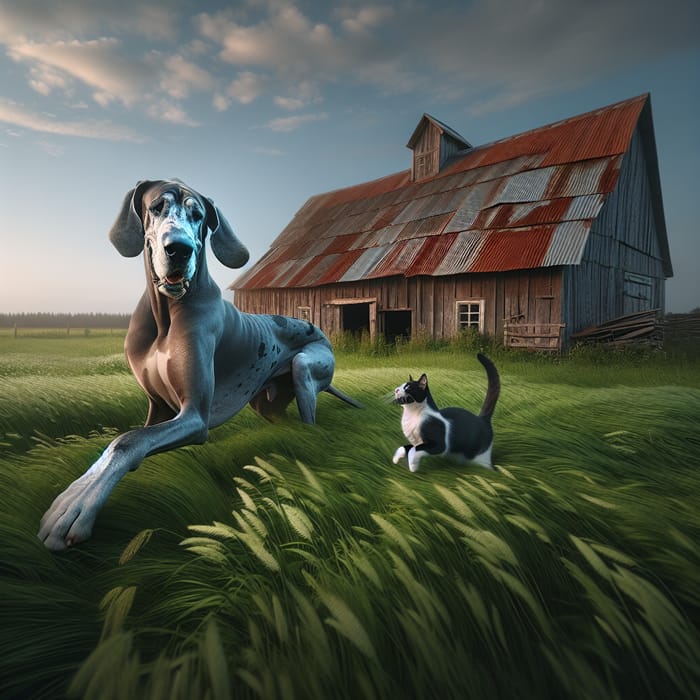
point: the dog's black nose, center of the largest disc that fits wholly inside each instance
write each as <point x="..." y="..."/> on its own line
<point x="178" y="252"/>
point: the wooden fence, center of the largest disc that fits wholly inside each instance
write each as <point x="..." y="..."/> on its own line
<point x="544" y="337"/>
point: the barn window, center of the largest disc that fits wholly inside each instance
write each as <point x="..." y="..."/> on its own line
<point x="304" y="313"/>
<point x="470" y="314"/>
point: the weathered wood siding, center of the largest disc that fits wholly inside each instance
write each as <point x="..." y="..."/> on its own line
<point x="426" y="153"/>
<point x="532" y="296"/>
<point x="622" y="269"/>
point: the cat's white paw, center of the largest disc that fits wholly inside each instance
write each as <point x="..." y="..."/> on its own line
<point x="399" y="455"/>
<point x="414" y="458"/>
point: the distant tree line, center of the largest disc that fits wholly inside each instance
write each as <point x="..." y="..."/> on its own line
<point x="49" y="320"/>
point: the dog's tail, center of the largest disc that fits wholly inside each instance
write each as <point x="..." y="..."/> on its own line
<point x="343" y="397"/>
<point x="494" y="387"/>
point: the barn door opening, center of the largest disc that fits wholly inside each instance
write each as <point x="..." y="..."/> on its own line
<point x="354" y="318"/>
<point x="397" y="324"/>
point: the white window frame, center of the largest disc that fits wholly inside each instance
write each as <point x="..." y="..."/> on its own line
<point x="476" y="308"/>
<point x="304" y="313"/>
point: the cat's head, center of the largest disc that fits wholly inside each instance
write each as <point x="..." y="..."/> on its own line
<point x="413" y="391"/>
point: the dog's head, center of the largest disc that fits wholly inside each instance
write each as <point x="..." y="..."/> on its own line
<point x="171" y="220"/>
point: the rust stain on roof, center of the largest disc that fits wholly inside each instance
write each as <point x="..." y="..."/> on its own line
<point x="513" y="249"/>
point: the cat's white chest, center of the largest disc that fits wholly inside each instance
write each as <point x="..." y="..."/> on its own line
<point x="411" y="419"/>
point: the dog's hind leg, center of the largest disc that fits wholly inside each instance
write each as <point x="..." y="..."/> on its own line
<point x="312" y="372"/>
<point x="271" y="403"/>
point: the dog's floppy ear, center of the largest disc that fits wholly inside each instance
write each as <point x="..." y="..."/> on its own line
<point x="228" y="249"/>
<point x="126" y="233"/>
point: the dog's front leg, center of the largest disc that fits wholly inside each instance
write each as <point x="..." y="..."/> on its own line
<point x="70" y="518"/>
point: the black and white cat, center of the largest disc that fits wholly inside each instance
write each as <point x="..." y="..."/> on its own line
<point x="449" y="431"/>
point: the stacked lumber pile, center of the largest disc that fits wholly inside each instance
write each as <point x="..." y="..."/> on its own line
<point x="682" y="326"/>
<point x="643" y="327"/>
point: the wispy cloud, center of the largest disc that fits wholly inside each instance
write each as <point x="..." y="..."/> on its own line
<point x="246" y="87"/>
<point x="286" y="124"/>
<point x="272" y="152"/>
<point x="180" y="77"/>
<point x="99" y="64"/>
<point x="286" y="40"/>
<point x="18" y="116"/>
<point x="165" y="111"/>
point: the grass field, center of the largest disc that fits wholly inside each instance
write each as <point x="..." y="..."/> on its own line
<point x="288" y="561"/>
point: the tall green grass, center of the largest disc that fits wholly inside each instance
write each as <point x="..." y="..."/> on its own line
<point x="287" y="561"/>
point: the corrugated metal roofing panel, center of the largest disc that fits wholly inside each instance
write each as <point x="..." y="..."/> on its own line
<point x="440" y="203"/>
<point x="431" y="226"/>
<point x="386" y="215"/>
<point x="382" y="236"/>
<point x="260" y="277"/>
<point x="319" y="269"/>
<point x="311" y="250"/>
<point x="328" y="214"/>
<point x="348" y="224"/>
<point x="342" y="243"/>
<point x="276" y="255"/>
<point x="586" y="207"/>
<point x="306" y="269"/>
<point x="469" y="207"/>
<point x="398" y="259"/>
<point x="574" y="179"/>
<point x="601" y="133"/>
<point x="432" y="252"/>
<point x="525" y="214"/>
<point x="410" y="211"/>
<point x="567" y="244"/>
<point x="289" y="270"/>
<point x="528" y="186"/>
<point x="513" y="249"/>
<point x="333" y="272"/>
<point x="426" y="188"/>
<point x="461" y="254"/>
<point x="363" y="264"/>
<point x="496" y="170"/>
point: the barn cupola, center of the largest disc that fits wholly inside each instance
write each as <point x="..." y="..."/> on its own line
<point x="432" y="144"/>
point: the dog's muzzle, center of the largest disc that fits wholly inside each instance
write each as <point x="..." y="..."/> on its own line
<point x="175" y="282"/>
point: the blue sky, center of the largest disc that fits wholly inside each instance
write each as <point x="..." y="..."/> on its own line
<point x="260" y="104"/>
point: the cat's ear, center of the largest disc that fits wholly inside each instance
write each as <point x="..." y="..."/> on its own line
<point x="410" y="377"/>
<point x="423" y="381"/>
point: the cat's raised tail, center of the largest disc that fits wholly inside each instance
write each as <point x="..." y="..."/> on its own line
<point x="494" y="386"/>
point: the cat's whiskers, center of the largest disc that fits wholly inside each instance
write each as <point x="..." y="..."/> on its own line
<point x="388" y="397"/>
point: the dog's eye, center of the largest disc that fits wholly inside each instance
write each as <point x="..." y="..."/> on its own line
<point x="194" y="209"/>
<point x="157" y="207"/>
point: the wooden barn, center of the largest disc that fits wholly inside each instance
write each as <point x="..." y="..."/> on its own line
<point x="530" y="238"/>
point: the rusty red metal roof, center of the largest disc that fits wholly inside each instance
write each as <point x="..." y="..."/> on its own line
<point x="523" y="202"/>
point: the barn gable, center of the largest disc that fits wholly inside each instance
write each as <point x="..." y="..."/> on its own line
<point x="545" y="202"/>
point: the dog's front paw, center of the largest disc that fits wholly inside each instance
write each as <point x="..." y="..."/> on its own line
<point x="70" y="518"/>
<point x="399" y="455"/>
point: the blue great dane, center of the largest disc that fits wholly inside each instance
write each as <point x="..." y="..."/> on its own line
<point x="198" y="358"/>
